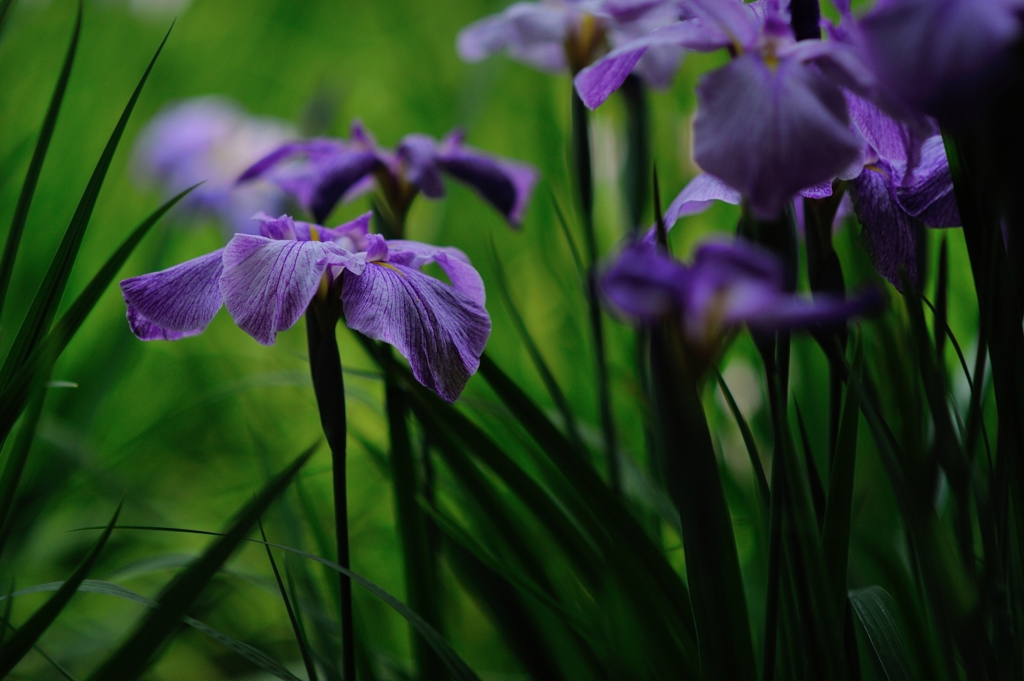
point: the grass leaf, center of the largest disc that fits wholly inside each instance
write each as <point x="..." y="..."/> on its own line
<point x="300" y="637"/>
<point x="25" y="637"/>
<point x="875" y="609"/>
<point x="134" y="656"/>
<point x="28" y="188"/>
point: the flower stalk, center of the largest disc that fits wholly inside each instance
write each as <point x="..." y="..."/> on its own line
<point x="585" y="194"/>
<point x="325" y="366"/>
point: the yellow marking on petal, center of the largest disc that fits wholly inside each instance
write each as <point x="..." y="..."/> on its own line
<point x="389" y="266"/>
<point x="314" y="233"/>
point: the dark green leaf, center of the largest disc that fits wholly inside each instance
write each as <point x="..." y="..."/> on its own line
<point x="28" y="188"/>
<point x="748" y="440"/>
<point x="43" y="355"/>
<point x="254" y="655"/>
<point x="28" y="633"/>
<point x="17" y="457"/>
<point x="44" y="306"/>
<point x="134" y="655"/>
<point x="875" y="609"/>
<point x="300" y="636"/>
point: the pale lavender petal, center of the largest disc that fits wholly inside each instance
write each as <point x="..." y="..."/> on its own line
<point x="268" y="284"/>
<point x="822" y="190"/>
<point x="698" y="195"/>
<point x="740" y="22"/>
<point x="770" y="132"/>
<point x="645" y="283"/>
<point x="176" y="302"/>
<point x="889" y="233"/>
<point x="532" y="33"/>
<point x="452" y="261"/>
<point x="658" y="67"/>
<point x="506" y="185"/>
<point x="441" y="331"/>
<point x="927" y="193"/>
<point x="886" y="136"/>
<point x="420" y="156"/>
<point x="595" y="83"/>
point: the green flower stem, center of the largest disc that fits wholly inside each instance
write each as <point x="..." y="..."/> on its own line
<point x="325" y="365"/>
<point x="583" y="176"/>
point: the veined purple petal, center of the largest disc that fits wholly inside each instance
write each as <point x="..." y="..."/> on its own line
<point x="506" y="185"/>
<point x="889" y="233"/>
<point x="268" y="284"/>
<point x="177" y="302"/>
<point x="771" y="131"/>
<point x="645" y="284"/>
<point x="822" y="190"/>
<point x="441" y="331"/>
<point x="532" y="33"/>
<point x="595" y="83"/>
<point x="927" y="193"/>
<point x="452" y="261"/>
<point x="420" y="155"/>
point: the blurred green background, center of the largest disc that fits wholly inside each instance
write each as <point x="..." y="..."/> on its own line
<point x="187" y="431"/>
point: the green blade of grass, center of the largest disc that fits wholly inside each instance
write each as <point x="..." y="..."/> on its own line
<point x="875" y="609"/>
<point x="28" y="188"/>
<point x="134" y="655"/>
<point x="300" y="637"/>
<point x="817" y="488"/>
<point x="27" y="634"/>
<point x="15" y="464"/>
<point x="835" y="532"/>
<point x="254" y="655"/>
<point x="44" y="305"/>
<point x="44" y="354"/>
<point x="535" y="355"/>
<point x="748" y="440"/>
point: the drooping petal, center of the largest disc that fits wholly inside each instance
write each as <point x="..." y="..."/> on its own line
<point x="334" y="179"/>
<point x="531" y="33"/>
<point x="506" y="185"/>
<point x="177" y="302"/>
<point x="452" y="261"/>
<point x="419" y="154"/>
<point x="770" y="131"/>
<point x="268" y="284"/>
<point x="890" y="234"/>
<point x="645" y="284"/>
<point x="441" y="331"/>
<point x="927" y="193"/>
<point x="766" y="310"/>
<point x="939" y="56"/>
<point x="698" y="195"/>
<point x="314" y="149"/>
<point x="595" y="83"/>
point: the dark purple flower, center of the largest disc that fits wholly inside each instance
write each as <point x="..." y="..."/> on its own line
<point x="321" y="172"/>
<point x="773" y="120"/>
<point x="938" y="56"/>
<point x="567" y="35"/>
<point x="728" y="285"/>
<point x="266" y="283"/>
<point x="210" y="140"/>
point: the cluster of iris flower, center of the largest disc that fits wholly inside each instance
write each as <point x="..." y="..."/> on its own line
<point x="848" y="107"/>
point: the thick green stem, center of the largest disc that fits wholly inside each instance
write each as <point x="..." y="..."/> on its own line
<point x="325" y="366"/>
<point x="583" y="176"/>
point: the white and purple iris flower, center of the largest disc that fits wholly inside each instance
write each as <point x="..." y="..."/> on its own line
<point x="320" y="173"/>
<point x="772" y="121"/>
<point x="939" y="56"/>
<point x="267" y="281"/>
<point x="728" y="285"/>
<point x="566" y="35"/>
<point x="211" y="140"/>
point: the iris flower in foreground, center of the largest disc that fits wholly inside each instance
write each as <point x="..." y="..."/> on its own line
<point x="266" y="282"/>
<point x="769" y="123"/>
<point x="728" y="285"/>
<point x="210" y="140"/>
<point x="321" y="172"/>
<point x="567" y="35"/>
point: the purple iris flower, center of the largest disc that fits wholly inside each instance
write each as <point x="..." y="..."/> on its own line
<point x="773" y="120"/>
<point x="266" y="282"/>
<point x="567" y="35"/>
<point x="321" y="172"/>
<point x="890" y="196"/>
<point x="939" y="56"/>
<point x="728" y="285"/>
<point x="211" y="140"/>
